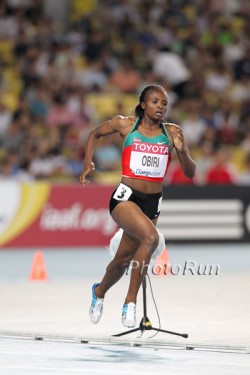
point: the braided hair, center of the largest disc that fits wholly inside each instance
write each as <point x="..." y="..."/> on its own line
<point x="138" y="111"/>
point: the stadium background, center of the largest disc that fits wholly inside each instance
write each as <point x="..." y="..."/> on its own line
<point x="66" y="66"/>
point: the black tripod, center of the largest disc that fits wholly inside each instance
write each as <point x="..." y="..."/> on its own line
<point x="145" y="324"/>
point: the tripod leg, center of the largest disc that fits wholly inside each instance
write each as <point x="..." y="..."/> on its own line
<point x="185" y="335"/>
<point x="126" y="332"/>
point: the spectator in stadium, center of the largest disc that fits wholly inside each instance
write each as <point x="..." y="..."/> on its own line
<point x="220" y="172"/>
<point x="107" y="156"/>
<point x="125" y="78"/>
<point x="135" y="203"/>
<point x="59" y="115"/>
<point x="176" y="176"/>
<point x="244" y="178"/>
<point x="204" y="161"/>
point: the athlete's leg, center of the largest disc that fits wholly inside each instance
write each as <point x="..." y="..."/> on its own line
<point x="116" y="268"/>
<point x="139" y="227"/>
<point x="138" y="273"/>
<point x="116" y="239"/>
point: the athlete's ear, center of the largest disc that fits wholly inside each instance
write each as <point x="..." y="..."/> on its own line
<point x="143" y="105"/>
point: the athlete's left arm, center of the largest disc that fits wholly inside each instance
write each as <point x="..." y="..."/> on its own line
<point x="187" y="163"/>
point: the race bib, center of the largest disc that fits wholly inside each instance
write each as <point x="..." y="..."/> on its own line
<point x="122" y="193"/>
<point x="149" y="159"/>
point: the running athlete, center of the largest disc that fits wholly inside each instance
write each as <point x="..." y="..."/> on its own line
<point x="135" y="203"/>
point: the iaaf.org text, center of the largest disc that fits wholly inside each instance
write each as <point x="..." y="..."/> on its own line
<point x="190" y="267"/>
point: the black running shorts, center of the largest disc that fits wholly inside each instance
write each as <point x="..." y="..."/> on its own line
<point x="149" y="203"/>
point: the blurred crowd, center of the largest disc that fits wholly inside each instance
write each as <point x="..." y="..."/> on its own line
<point x="58" y="80"/>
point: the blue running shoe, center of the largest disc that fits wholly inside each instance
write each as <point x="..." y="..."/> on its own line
<point x="95" y="310"/>
<point x="129" y="315"/>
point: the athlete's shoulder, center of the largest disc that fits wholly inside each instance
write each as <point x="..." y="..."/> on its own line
<point x="124" y="119"/>
<point x="123" y="123"/>
<point x="172" y="128"/>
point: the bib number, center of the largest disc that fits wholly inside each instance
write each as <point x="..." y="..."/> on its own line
<point x="122" y="193"/>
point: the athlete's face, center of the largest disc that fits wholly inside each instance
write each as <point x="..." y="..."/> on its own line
<point x="155" y="105"/>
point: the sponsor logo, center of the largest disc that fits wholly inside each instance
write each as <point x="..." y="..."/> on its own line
<point x="140" y="172"/>
<point x="75" y="218"/>
<point x="150" y="148"/>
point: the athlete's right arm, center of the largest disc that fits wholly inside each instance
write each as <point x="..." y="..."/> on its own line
<point x="116" y="124"/>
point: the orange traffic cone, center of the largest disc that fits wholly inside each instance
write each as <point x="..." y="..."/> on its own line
<point x="162" y="264"/>
<point x="38" y="271"/>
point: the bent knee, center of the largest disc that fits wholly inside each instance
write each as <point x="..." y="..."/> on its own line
<point x="151" y="240"/>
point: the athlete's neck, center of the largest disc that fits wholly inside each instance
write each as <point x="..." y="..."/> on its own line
<point x="149" y="124"/>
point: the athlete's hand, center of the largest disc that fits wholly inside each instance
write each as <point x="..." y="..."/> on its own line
<point x="179" y="142"/>
<point x="87" y="169"/>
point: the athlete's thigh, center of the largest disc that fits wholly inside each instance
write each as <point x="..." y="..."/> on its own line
<point x="132" y="220"/>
